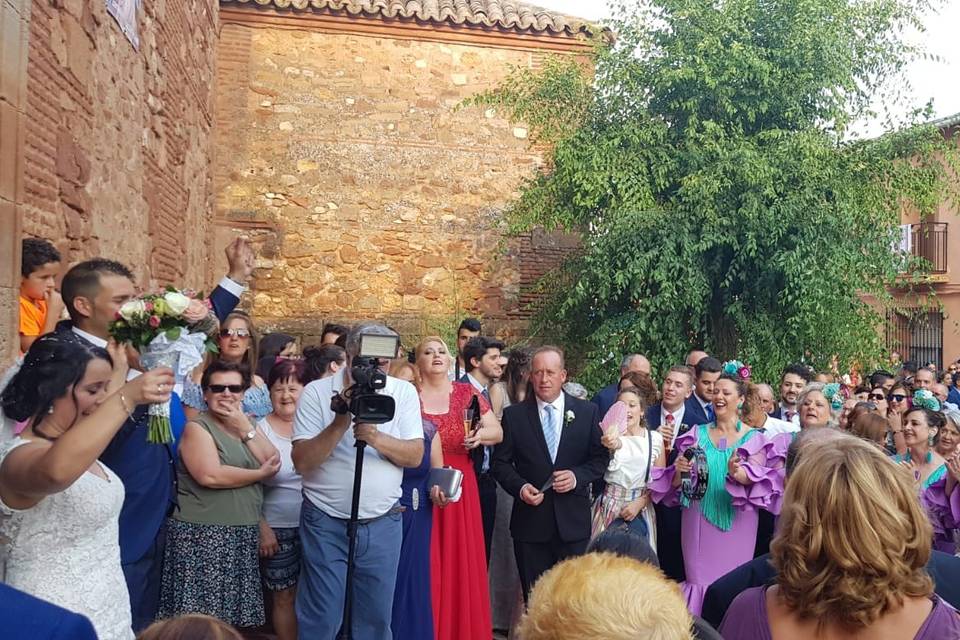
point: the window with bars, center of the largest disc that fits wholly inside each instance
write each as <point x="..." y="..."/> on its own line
<point x="917" y="334"/>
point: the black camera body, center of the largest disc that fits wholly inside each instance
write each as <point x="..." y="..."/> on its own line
<point x="366" y="405"/>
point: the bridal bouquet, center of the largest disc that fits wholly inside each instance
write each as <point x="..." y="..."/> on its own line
<point x="173" y="329"/>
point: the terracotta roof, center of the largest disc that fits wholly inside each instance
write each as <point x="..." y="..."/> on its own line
<point x="503" y="14"/>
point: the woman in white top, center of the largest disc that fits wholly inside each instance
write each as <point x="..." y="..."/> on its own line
<point x="625" y="496"/>
<point x="282" y="498"/>
<point x="59" y="507"/>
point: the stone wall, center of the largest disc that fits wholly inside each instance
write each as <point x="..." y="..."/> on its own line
<point x="369" y="194"/>
<point x="119" y="152"/>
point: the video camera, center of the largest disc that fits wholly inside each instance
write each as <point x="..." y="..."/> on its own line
<point x="366" y="405"/>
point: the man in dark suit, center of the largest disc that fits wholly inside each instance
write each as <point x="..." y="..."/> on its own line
<point x="93" y="291"/>
<point x="481" y="359"/>
<point x="670" y="417"/>
<point x="699" y="407"/>
<point x="608" y="395"/>
<point x="23" y="617"/>
<point x="550" y="454"/>
<point x="792" y="381"/>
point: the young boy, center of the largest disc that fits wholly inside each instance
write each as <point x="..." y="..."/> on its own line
<point x="40" y="304"/>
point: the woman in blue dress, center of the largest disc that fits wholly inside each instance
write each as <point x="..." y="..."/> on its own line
<point x="412" y="608"/>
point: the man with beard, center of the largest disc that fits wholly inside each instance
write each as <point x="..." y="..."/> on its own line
<point x="794" y="378"/>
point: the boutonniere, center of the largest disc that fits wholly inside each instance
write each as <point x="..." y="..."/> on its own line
<point x="570" y="415"/>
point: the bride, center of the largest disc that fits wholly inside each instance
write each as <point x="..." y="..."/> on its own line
<point x="59" y="506"/>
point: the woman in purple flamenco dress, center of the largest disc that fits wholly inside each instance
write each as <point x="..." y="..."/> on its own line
<point x="745" y="472"/>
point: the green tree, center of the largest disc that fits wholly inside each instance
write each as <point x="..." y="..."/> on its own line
<point x="705" y="155"/>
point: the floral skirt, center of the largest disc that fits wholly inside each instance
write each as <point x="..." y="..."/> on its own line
<point x="607" y="508"/>
<point x="212" y="569"/>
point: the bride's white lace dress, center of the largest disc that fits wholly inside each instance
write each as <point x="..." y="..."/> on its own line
<point x="66" y="550"/>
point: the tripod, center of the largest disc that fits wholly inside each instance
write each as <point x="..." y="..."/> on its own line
<point x="346" y="629"/>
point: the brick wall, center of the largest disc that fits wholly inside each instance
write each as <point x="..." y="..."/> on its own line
<point x="118" y="154"/>
<point x="369" y="194"/>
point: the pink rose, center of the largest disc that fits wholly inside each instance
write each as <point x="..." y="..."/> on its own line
<point x="154" y="321"/>
<point x="744" y="372"/>
<point x="149" y="307"/>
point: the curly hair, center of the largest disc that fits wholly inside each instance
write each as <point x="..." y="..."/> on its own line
<point x="36" y="253"/>
<point x="596" y="596"/>
<point x="853" y="540"/>
<point x="644" y="384"/>
<point x="51" y="366"/>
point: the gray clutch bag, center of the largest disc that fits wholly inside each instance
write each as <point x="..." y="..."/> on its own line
<point x="448" y="479"/>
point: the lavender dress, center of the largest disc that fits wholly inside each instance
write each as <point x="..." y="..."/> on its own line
<point x="747" y="619"/>
<point x="719" y="532"/>
<point x="937" y="504"/>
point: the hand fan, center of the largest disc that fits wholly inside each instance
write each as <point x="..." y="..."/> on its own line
<point x="616" y="418"/>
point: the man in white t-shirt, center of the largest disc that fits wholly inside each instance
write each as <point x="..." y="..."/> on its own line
<point x="325" y="455"/>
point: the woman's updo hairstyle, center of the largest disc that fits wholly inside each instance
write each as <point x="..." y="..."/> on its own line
<point x="51" y="366"/>
<point x="742" y="385"/>
<point x="935" y="419"/>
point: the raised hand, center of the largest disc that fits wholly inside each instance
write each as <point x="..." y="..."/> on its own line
<point x="240" y="259"/>
<point x="611" y="440"/>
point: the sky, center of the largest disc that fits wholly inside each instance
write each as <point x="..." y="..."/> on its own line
<point x="938" y="80"/>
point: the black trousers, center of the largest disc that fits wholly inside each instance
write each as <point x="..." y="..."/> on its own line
<point x="669" y="547"/>
<point x="487" y="488"/>
<point x="536" y="558"/>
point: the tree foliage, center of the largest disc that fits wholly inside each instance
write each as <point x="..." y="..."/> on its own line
<point x="722" y="200"/>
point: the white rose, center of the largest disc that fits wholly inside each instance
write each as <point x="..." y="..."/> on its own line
<point x="132" y="309"/>
<point x="176" y="302"/>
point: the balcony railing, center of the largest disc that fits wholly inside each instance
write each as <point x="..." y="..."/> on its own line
<point x="928" y="240"/>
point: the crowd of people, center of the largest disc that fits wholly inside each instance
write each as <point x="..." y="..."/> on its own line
<point x="497" y="498"/>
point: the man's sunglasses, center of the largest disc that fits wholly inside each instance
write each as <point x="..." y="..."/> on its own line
<point x="896" y="397"/>
<point x="234" y="333"/>
<point x="220" y="388"/>
<point x="877" y="396"/>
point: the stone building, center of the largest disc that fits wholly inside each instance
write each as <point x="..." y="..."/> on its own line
<point x="342" y="152"/>
<point x="105" y="146"/>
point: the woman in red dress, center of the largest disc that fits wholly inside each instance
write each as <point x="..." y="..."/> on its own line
<point x="459" y="587"/>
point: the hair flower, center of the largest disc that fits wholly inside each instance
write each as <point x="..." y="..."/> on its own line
<point x="835" y="393"/>
<point x="737" y="369"/>
<point x="924" y="398"/>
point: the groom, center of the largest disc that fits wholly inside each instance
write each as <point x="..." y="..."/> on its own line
<point x="550" y="454"/>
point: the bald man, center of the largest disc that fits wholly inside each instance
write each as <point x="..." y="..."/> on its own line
<point x="608" y="395"/>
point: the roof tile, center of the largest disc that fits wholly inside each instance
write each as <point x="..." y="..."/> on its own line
<point x="503" y="14"/>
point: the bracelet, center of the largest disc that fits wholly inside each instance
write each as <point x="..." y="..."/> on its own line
<point x="123" y="402"/>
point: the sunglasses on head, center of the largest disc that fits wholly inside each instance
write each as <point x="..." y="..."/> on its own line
<point x="877" y="396"/>
<point x="220" y="388"/>
<point x="234" y="333"/>
<point x="896" y="397"/>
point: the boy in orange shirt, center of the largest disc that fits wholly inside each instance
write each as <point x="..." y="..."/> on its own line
<point x="40" y="303"/>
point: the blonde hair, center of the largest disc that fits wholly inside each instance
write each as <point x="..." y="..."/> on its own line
<point x="422" y="345"/>
<point x="251" y="355"/>
<point x="602" y="595"/>
<point x="853" y="540"/>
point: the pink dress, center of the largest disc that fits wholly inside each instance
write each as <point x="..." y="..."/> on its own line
<point x="719" y="532"/>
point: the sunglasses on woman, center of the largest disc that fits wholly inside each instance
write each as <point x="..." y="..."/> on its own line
<point x="896" y="397"/>
<point x="221" y="388"/>
<point x="234" y="333"/>
<point x="877" y="396"/>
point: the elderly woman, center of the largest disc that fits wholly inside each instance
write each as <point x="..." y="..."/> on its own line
<point x="282" y="498"/>
<point x="815" y="408"/>
<point x="828" y="587"/>
<point x="719" y="523"/>
<point x="948" y="437"/>
<point x="211" y="564"/>
<point x="237" y="344"/>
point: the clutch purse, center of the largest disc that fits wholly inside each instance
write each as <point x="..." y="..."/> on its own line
<point x="447" y="479"/>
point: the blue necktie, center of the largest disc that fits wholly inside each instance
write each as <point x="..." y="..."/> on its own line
<point x="550" y="431"/>
<point x="711" y="414"/>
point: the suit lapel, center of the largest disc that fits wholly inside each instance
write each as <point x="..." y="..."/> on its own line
<point x="564" y="427"/>
<point x="534" y="419"/>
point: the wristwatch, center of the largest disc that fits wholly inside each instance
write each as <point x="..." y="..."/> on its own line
<point x="250" y="436"/>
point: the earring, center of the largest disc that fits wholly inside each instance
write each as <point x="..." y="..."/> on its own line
<point x="50" y="410"/>
<point x="739" y="406"/>
<point x="930" y="440"/>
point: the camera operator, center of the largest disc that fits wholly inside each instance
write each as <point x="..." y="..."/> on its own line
<point x="324" y="453"/>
